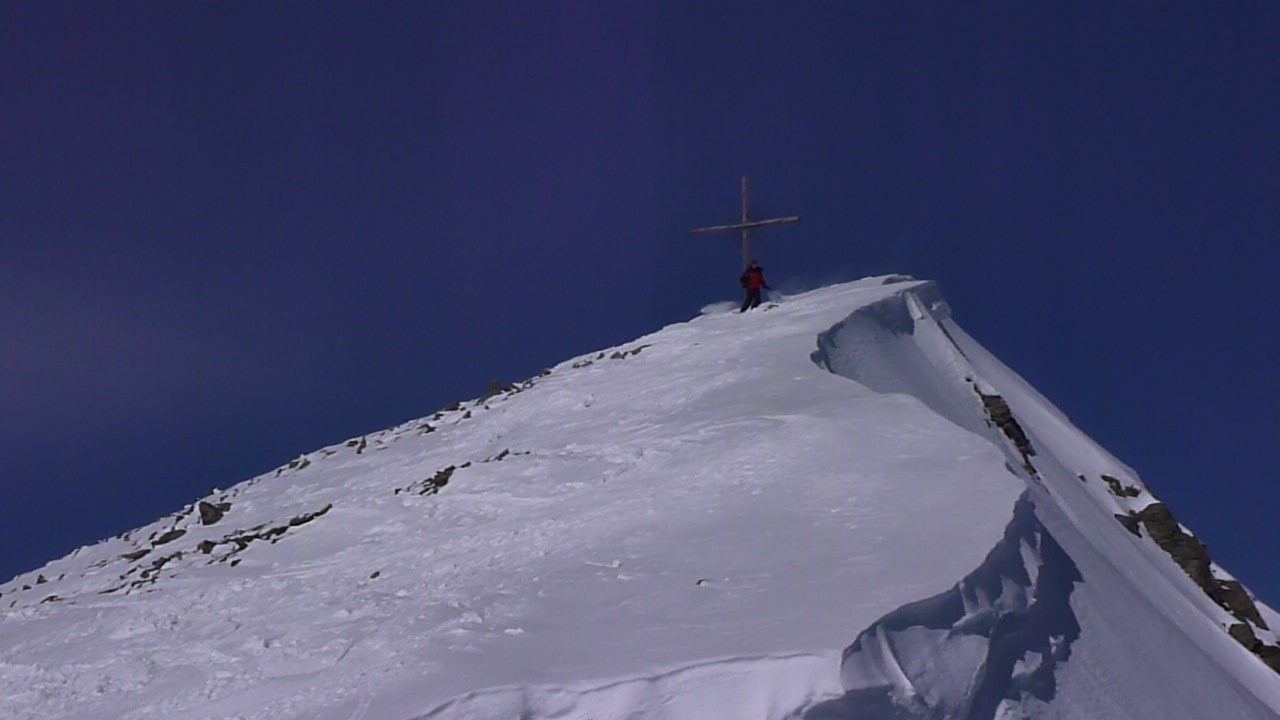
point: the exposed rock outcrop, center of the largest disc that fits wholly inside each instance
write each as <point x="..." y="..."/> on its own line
<point x="1193" y="557"/>
<point x="1002" y="417"/>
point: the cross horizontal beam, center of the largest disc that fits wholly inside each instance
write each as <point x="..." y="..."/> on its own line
<point x="747" y="225"/>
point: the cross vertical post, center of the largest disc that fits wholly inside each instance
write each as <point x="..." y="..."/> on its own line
<point x="746" y="232"/>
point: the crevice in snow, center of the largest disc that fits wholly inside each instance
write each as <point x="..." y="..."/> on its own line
<point x="988" y="646"/>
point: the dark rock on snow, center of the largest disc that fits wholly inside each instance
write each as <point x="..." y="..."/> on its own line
<point x="211" y="513"/>
<point x="170" y="536"/>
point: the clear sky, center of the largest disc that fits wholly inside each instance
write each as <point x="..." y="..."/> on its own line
<point x="233" y="232"/>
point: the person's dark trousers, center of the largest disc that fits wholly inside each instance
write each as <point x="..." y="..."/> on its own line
<point x="752" y="300"/>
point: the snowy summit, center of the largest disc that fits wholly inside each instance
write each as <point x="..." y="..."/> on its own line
<point x="836" y="507"/>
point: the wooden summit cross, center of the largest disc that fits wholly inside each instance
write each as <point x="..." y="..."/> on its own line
<point x="746" y="226"/>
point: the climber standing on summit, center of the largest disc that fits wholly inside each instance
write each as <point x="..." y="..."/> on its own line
<point x="752" y="280"/>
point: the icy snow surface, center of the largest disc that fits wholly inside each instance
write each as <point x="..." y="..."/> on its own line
<point x="798" y="512"/>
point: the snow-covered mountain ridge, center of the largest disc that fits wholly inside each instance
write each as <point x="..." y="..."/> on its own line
<point x="838" y="507"/>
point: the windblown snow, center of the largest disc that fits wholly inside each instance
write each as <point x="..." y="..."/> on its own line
<point x="839" y="506"/>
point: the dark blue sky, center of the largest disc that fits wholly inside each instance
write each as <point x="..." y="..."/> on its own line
<point x="234" y="232"/>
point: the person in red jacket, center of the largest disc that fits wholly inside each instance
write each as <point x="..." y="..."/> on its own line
<point x="752" y="280"/>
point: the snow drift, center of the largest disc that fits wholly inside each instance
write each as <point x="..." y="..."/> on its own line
<point x="837" y="507"/>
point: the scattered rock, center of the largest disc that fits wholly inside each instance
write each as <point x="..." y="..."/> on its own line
<point x="431" y="485"/>
<point x="136" y="554"/>
<point x="306" y="518"/>
<point x="519" y="388"/>
<point x="150" y="574"/>
<point x="1130" y="523"/>
<point x="40" y="580"/>
<point x="1186" y="550"/>
<point x="211" y="513"/>
<point x="1120" y="490"/>
<point x="169" y="537"/>
<point x="1244" y="635"/>
<point x="374" y="575"/>
<point x="624" y="354"/>
<point x="1270" y="654"/>
<point x="496" y="387"/>
<point x="244" y="538"/>
<point x="1233" y="597"/>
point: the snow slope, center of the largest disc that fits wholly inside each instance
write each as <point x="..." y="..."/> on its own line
<point x="817" y="510"/>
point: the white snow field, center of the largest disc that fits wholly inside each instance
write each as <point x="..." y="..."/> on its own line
<point x="838" y="507"/>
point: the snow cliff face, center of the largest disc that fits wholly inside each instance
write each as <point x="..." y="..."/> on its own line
<point x="999" y="644"/>
<point x="837" y="507"/>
